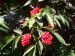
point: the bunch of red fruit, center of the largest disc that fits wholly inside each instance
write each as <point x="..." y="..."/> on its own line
<point x="46" y="39"/>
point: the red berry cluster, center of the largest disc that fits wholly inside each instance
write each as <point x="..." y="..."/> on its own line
<point x="26" y="39"/>
<point x="35" y="11"/>
<point x="46" y="38"/>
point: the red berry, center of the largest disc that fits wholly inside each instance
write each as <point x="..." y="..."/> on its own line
<point x="46" y="38"/>
<point x="35" y="11"/>
<point x="25" y="41"/>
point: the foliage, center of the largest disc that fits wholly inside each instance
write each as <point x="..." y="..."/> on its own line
<point x="24" y="23"/>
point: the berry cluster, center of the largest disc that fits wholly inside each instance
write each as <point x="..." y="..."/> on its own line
<point x="35" y="11"/>
<point x="46" y="38"/>
<point x="26" y="39"/>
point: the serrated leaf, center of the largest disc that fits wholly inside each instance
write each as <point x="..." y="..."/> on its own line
<point x="8" y="41"/>
<point x="28" y="50"/>
<point x="31" y="22"/>
<point x="18" y="31"/>
<point x="40" y="47"/>
<point x="60" y="39"/>
<point x="17" y="41"/>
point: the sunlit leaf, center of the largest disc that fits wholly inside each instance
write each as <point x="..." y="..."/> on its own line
<point x="60" y="39"/>
<point x="57" y="22"/>
<point x="27" y="3"/>
<point x="26" y="22"/>
<point x="40" y="22"/>
<point x="1" y="20"/>
<point x="34" y="52"/>
<point x="62" y="18"/>
<point x="3" y="29"/>
<point x="40" y="0"/>
<point x="28" y="49"/>
<point x="52" y="11"/>
<point x="50" y="20"/>
<point x="18" y="31"/>
<point x="17" y="41"/>
<point x="40" y="47"/>
<point x="72" y="53"/>
<point x="67" y="23"/>
<point x="31" y="22"/>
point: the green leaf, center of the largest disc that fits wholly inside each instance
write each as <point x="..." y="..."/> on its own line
<point x="40" y="0"/>
<point x="40" y="47"/>
<point x="62" y="18"/>
<point x="25" y="23"/>
<point x="58" y="23"/>
<point x="60" y="39"/>
<point x="17" y="41"/>
<point x="0" y="44"/>
<point x="34" y="53"/>
<point x="40" y="32"/>
<point x="30" y="53"/>
<point x="29" y="49"/>
<point x="8" y="41"/>
<point x="28" y="2"/>
<point x="3" y="29"/>
<point x="67" y="23"/>
<point x="40" y="23"/>
<point x="52" y="11"/>
<point x="1" y="20"/>
<point x="4" y="26"/>
<point x="50" y="19"/>
<point x="2" y="23"/>
<point x="18" y="31"/>
<point x="31" y="22"/>
<point x="38" y="15"/>
<point x="72" y="53"/>
<point x="31" y="2"/>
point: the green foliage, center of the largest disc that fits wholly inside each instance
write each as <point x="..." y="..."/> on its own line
<point x="11" y="38"/>
<point x="47" y="20"/>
